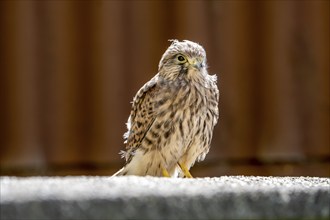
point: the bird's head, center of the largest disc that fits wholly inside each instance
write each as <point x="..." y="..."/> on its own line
<point x="184" y="58"/>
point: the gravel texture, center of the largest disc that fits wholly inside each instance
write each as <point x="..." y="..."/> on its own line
<point x="226" y="197"/>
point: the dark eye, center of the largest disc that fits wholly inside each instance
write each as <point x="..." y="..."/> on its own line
<point x="181" y="58"/>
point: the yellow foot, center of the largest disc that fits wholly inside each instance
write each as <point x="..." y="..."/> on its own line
<point x="185" y="170"/>
<point x="165" y="173"/>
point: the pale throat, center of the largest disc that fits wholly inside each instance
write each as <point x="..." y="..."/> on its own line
<point x="196" y="75"/>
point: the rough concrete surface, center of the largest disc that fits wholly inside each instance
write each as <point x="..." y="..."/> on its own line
<point x="226" y="197"/>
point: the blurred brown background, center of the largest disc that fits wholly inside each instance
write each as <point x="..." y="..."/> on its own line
<point x="69" y="70"/>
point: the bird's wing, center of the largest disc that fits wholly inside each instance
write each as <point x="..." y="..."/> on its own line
<point x="141" y="118"/>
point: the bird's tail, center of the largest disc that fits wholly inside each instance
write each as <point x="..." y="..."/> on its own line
<point x="120" y="172"/>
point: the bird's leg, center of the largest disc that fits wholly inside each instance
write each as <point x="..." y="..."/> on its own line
<point x="165" y="172"/>
<point x="185" y="170"/>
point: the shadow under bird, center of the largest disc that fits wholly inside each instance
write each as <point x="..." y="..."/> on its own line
<point x="173" y="115"/>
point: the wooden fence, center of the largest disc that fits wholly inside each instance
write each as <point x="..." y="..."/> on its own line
<point x="69" y="70"/>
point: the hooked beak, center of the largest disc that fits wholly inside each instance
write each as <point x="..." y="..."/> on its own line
<point x="195" y="63"/>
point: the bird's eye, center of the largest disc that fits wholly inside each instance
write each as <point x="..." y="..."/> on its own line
<point x="181" y="58"/>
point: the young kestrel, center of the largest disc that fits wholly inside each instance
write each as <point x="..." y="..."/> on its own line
<point x="173" y="115"/>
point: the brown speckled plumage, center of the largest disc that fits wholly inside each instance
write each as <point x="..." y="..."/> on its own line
<point x="173" y="115"/>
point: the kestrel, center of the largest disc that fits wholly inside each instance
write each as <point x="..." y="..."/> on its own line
<point x="173" y="115"/>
